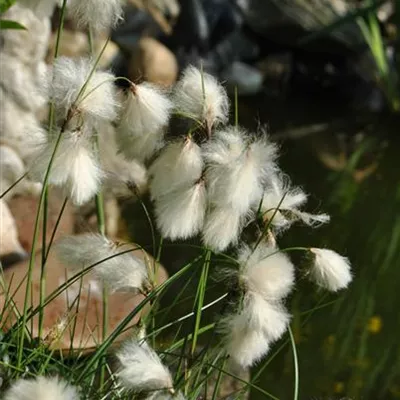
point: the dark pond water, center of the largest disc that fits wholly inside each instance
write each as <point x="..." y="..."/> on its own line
<point x="348" y="344"/>
<point x="350" y="348"/>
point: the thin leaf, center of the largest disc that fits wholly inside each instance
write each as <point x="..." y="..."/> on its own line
<point x="8" y="24"/>
<point x="296" y="366"/>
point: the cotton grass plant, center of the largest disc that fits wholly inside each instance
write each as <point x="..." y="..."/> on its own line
<point x="210" y="181"/>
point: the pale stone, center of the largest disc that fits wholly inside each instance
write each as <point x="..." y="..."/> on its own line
<point x="11" y="170"/>
<point x="87" y="313"/>
<point x="109" y="53"/>
<point x="72" y="44"/>
<point x="19" y="128"/>
<point x="154" y="62"/>
<point x="24" y="209"/>
<point x="10" y="247"/>
<point x="28" y="46"/>
<point x="22" y="68"/>
<point x="75" y="43"/>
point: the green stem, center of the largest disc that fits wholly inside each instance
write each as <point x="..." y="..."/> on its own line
<point x="104" y="335"/>
<point x="200" y="299"/>
<point x="43" y="260"/>
<point x="99" y="200"/>
<point x="201" y="290"/>
<point x="32" y="256"/>
<point x="236" y="108"/>
<point x="219" y="378"/>
<point x="53" y="234"/>
<point x="88" y="367"/>
<point x="296" y="366"/>
<point x="60" y="29"/>
<point x="226" y="372"/>
<point x="13" y="185"/>
<point x="60" y="289"/>
<point x="46" y="189"/>
<point x="101" y="226"/>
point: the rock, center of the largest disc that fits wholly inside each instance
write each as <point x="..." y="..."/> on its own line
<point x="154" y="62"/>
<point x="21" y="83"/>
<point x="64" y="311"/>
<point x="11" y="169"/>
<point x="229" y="386"/>
<point x="109" y="54"/>
<point x="247" y="79"/>
<point x="43" y="9"/>
<point x="22" y="68"/>
<point x="19" y="128"/>
<point x="75" y="43"/>
<point x="170" y="8"/>
<point x="29" y="45"/>
<point x="72" y="44"/>
<point x="287" y="20"/>
<point x="10" y="248"/>
<point x="86" y="217"/>
<point x="24" y="209"/>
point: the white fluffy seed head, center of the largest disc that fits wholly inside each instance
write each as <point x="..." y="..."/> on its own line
<point x="225" y="146"/>
<point x="41" y="388"/>
<point x="280" y="197"/>
<point x="179" y="164"/>
<point x="119" y="272"/>
<point x="84" y="176"/>
<point x="269" y="317"/>
<point x="121" y="175"/>
<point x="69" y="85"/>
<point x="237" y="169"/>
<point x="140" y="148"/>
<point x="141" y="370"/>
<point x="180" y="214"/>
<point x="99" y="15"/>
<point x="249" y="333"/>
<point x="144" y="117"/>
<point x="330" y="270"/>
<point x="200" y="96"/>
<point x="246" y="347"/>
<point x="74" y="167"/>
<point x="222" y="228"/>
<point x="146" y="110"/>
<point x="258" y="314"/>
<point x="266" y="271"/>
<point x="77" y="251"/>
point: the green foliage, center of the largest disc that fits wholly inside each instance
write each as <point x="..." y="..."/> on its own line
<point x="349" y="17"/>
<point x="367" y="20"/>
<point x="5" y="5"/>
<point x="7" y="24"/>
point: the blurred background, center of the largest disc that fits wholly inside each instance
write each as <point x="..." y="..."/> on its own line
<point x="322" y="76"/>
